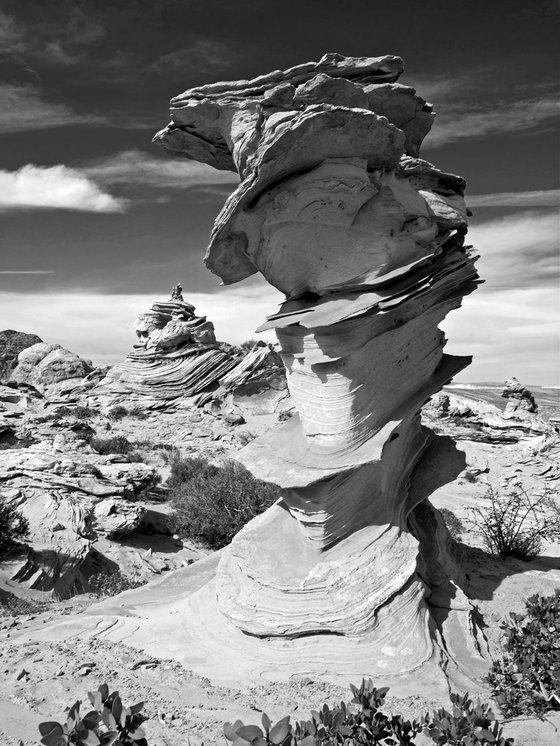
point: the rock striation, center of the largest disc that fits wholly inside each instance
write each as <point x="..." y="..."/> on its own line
<point x="366" y="240"/>
<point x="176" y="354"/>
<point x="70" y="502"/>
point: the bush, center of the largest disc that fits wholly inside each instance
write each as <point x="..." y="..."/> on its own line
<point x="527" y="679"/>
<point x="212" y="503"/>
<point x="13" y="528"/>
<point x="117" y="413"/>
<point x="111" y="583"/>
<point x="516" y="524"/>
<point x="362" y="722"/>
<point x="454" y="525"/>
<point x="359" y="722"/>
<point x="116" y="444"/>
<point x="84" y="413"/>
<point x="109" y="723"/>
<point x="137" y="412"/>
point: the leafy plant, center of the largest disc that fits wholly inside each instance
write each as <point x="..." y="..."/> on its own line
<point x="108" y="724"/>
<point x="213" y="502"/>
<point x="117" y="413"/>
<point x="516" y="524"/>
<point x="465" y="725"/>
<point x="455" y="525"/>
<point x="527" y="678"/>
<point x="14" y="528"/>
<point x="362" y="722"/>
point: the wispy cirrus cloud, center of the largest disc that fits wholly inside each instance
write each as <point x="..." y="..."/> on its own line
<point x="58" y="187"/>
<point x="200" y="55"/>
<point x="138" y="168"/>
<point x="26" y="271"/>
<point x="535" y="198"/>
<point x="462" y="121"/>
<point x="62" y="41"/>
<point x="516" y="251"/>
<point x="23" y="107"/>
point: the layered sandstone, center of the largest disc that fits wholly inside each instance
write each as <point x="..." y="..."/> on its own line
<point x="366" y="241"/>
<point x="352" y="572"/>
<point x="176" y="354"/>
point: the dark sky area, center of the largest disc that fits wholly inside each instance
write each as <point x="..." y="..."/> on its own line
<point x="89" y="205"/>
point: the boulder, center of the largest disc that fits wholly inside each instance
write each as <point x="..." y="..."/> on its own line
<point x="50" y="368"/>
<point x="11" y="344"/>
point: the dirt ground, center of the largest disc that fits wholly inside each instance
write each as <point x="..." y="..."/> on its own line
<point x="39" y="680"/>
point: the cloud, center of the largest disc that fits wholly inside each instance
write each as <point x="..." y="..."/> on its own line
<point x="135" y="167"/>
<point x="23" y="107"/>
<point x="57" y="187"/>
<point x="519" y="250"/>
<point x="26" y="271"/>
<point x="509" y="333"/>
<point x="536" y="198"/>
<point x="202" y="55"/>
<point x="60" y="41"/>
<point x="460" y="121"/>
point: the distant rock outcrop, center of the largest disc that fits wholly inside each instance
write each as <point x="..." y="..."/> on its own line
<point x="177" y="356"/>
<point x="520" y="400"/>
<point x="11" y="344"/>
<point x="50" y="368"/>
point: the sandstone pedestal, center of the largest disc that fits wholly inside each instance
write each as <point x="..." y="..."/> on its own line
<point x="352" y="572"/>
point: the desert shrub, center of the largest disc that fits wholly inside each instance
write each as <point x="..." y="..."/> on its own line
<point x="213" y="502"/>
<point x="361" y="721"/>
<point x="117" y="413"/>
<point x="138" y="413"/>
<point x="14" y="528"/>
<point x="527" y="679"/>
<point x="109" y="723"/>
<point x="60" y="412"/>
<point x="515" y="524"/>
<point x="84" y="413"/>
<point x="455" y="525"/>
<point x="116" y="444"/>
<point x="249" y="344"/>
<point x="111" y="583"/>
<point x="470" y="476"/>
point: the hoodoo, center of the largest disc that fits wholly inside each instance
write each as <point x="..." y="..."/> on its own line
<point x="352" y="572"/>
<point x="367" y="241"/>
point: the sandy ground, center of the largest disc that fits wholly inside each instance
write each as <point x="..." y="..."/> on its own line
<point x="39" y="680"/>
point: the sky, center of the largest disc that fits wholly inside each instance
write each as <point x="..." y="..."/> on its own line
<point x="96" y="222"/>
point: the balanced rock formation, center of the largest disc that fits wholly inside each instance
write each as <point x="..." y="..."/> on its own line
<point x="50" y="368"/>
<point x="11" y="344"/>
<point x="366" y="240"/>
<point x="177" y="356"/>
<point x="520" y="400"/>
<point x="176" y="353"/>
<point x="352" y="571"/>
